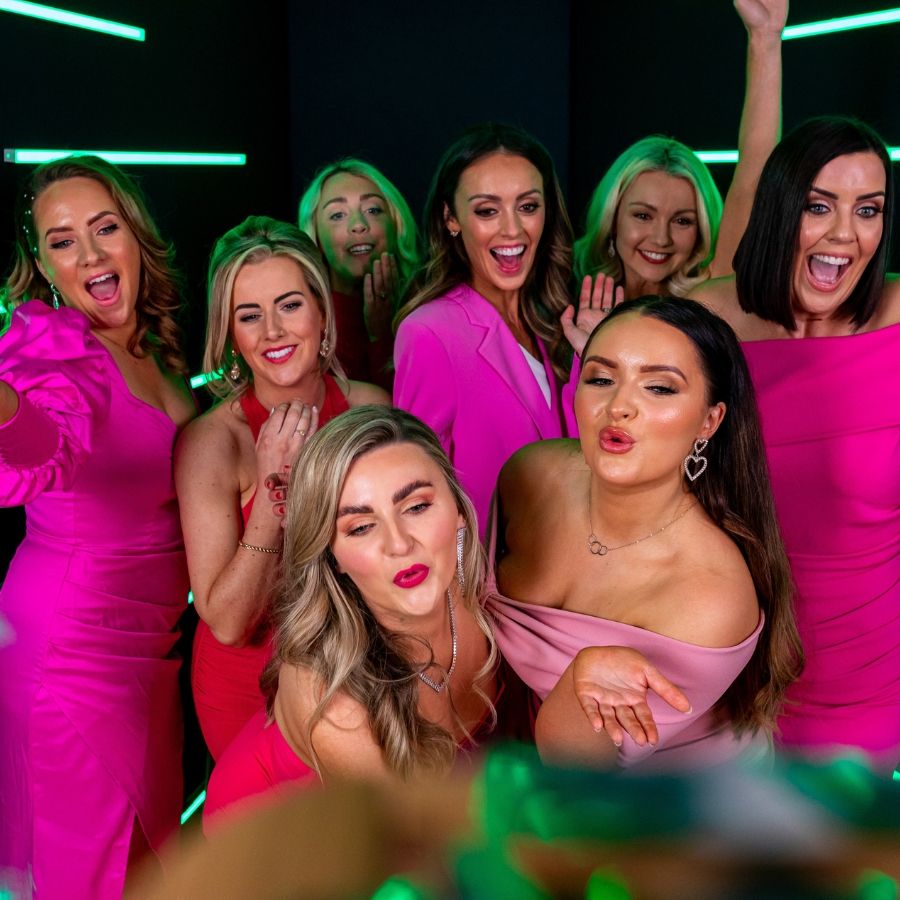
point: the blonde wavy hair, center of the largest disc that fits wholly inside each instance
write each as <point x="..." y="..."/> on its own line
<point x="159" y="299"/>
<point x="255" y="239"/>
<point x="322" y="621"/>
<point x="651" y="154"/>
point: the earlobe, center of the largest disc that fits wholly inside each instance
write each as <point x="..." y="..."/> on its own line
<point x="714" y="419"/>
<point x="450" y="222"/>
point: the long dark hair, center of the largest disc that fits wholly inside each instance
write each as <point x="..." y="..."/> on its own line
<point x="160" y="289"/>
<point x="545" y="293"/>
<point x="764" y="261"/>
<point x="736" y="495"/>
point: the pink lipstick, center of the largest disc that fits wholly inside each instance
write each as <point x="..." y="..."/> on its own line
<point x="411" y="577"/>
<point x="612" y="440"/>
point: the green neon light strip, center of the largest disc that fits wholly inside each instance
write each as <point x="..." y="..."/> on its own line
<point x="129" y="157"/>
<point x="845" y="23"/>
<point x="205" y="378"/>
<point x="731" y="156"/>
<point x="196" y="803"/>
<point x="76" y="20"/>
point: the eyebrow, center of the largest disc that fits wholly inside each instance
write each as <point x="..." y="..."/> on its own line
<point x="655" y="368"/>
<point x="280" y="297"/>
<point x="497" y="198"/>
<point x="90" y="221"/>
<point x="399" y="497"/>
<point x="829" y="194"/>
<point x="678" y="212"/>
<point x="361" y="197"/>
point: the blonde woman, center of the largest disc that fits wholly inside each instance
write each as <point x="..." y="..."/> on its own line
<point x="385" y="664"/>
<point x="271" y="331"/>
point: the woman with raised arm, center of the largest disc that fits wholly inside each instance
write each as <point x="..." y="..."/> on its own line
<point x="480" y="353"/>
<point x="92" y="396"/>
<point x="271" y="331"/>
<point x="657" y="535"/>
<point x="819" y="324"/>
<point x="368" y="237"/>
<point x="384" y="664"/>
<point x="655" y="223"/>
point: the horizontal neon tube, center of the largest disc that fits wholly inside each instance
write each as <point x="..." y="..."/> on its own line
<point x="845" y="23"/>
<point x="196" y="803"/>
<point x="731" y="156"/>
<point x="76" y="20"/>
<point x="204" y="378"/>
<point x="129" y="157"/>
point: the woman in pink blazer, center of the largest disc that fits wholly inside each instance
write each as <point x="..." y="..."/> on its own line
<point x="480" y="354"/>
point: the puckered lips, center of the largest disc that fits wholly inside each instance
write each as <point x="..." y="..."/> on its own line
<point x="614" y="440"/>
<point x="509" y="258"/>
<point x="655" y="257"/>
<point x="826" y="271"/>
<point x="279" y="355"/>
<point x="411" y="577"/>
<point x="104" y="288"/>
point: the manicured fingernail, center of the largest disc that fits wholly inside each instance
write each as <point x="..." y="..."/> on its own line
<point x="315" y="409"/>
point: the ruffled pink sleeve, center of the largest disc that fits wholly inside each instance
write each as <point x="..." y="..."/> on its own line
<point x="59" y="371"/>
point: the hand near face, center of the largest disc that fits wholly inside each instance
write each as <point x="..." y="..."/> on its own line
<point x="380" y="289"/>
<point x="597" y="297"/>
<point x="763" y="16"/>
<point x="281" y="438"/>
<point x="611" y="684"/>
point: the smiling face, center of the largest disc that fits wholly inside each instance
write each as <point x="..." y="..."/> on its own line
<point x="840" y="231"/>
<point x="354" y="229"/>
<point x="656" y="231"/>
<point x="276" y="326"/>
<point x="642" y="402"/>
<point x="395" y="534"/>
<point x="88" y="252"/>
<point x="499" y="212"/>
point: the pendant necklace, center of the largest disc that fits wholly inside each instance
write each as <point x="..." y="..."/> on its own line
<point x="437" y="688"/>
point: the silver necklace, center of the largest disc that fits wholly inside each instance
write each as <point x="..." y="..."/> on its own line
<point x="598" y="548"/>
<point x="437" y="688"/>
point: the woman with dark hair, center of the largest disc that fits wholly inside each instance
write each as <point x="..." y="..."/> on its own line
<point x="480" y="354"/>
<point x="657" y="533"/>
<point x="271" y="329"/>
<point x="384" y="661"/>
<point x="367" y="234"/>
<point x="820" y="326"/>
<point x="92" y="396"/>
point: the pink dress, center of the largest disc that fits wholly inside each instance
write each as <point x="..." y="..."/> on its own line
<point x="830" y="410"/>
<point x="89" y="704"/>
<point x="225" y="680"/>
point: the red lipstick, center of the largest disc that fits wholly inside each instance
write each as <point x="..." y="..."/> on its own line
<point x="411" y="577"/>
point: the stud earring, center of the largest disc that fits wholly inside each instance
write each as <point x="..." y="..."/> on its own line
<point x="695" y="462"/>
<point x="454" y="233"/>
<point x="56" y="300"/>
<point x="234" y="373"/>
<point x="324" y="348"/>
<point x="460" y="573"/>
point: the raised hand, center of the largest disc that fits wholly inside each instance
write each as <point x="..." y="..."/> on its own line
<point x="597" y="297"/>
<point x="380" y="290"/>
<point x="763" y="16"/>
<point x="611" y="684"/>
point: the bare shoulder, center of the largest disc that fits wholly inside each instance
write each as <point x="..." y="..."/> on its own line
<point x="212" y="436"/>
<point x="540" y="465"/>
<point x="713" y="594"/>
<point x="360" y="393"/>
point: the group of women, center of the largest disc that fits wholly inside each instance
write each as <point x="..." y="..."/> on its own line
<point x="563" y="527"/>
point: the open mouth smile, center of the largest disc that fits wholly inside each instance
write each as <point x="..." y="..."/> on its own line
<point x="826" y="271"/>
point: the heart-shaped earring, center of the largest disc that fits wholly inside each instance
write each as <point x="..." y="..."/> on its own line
<point x="695" y="463"/>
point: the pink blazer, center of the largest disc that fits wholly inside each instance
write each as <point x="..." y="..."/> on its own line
<point x="460" y="370"/>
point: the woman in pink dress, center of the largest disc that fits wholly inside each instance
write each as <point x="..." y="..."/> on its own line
<point x="271" y="330"/>
<point x="368" y="236"/>
<point x="385" y="664"/>
<point x="820" y="329"/>
<point x="657" y="534"/>
<point x="92" y="396"/>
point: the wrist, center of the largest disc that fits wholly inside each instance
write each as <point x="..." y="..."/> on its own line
<point x="765" y="40"/>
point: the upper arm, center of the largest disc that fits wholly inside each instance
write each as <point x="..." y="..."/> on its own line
<point x="209" y="500"/>
<point x="424" y="381"/>
<point x="342" y="739"/>
<point x="361" y="393"/>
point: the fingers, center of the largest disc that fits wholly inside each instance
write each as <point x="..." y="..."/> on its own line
<point x="591" y="710"/>
<point x="391" y="274"/>
<point x="368" y="291"/>
<point x="586" y="293"/>
<point x="631" y="724"/>
<point x="574" y="335"/>
<point x="611" y="723"/>
<point x="645" y="722"/>
<point x="661" y="685"/>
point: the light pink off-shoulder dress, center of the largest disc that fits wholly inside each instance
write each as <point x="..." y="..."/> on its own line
<point x="89" y="706"/>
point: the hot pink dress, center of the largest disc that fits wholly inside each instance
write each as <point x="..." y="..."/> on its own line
<point x="225" y="680"/>
<point x="89" y="704"/>
<point x="830" y="410"/>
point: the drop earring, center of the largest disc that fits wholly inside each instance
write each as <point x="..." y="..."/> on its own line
<point x="460" y="572"/>
<point x="56" y="301"/>
<point x="695" y="462"/>
<point x="234" y="373"/>
<point x="324" y="348"/>
<point x="611" y="248"/>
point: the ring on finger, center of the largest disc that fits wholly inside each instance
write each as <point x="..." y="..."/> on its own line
<point x="382" y="294"/>
<point x="300" y="431"/>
